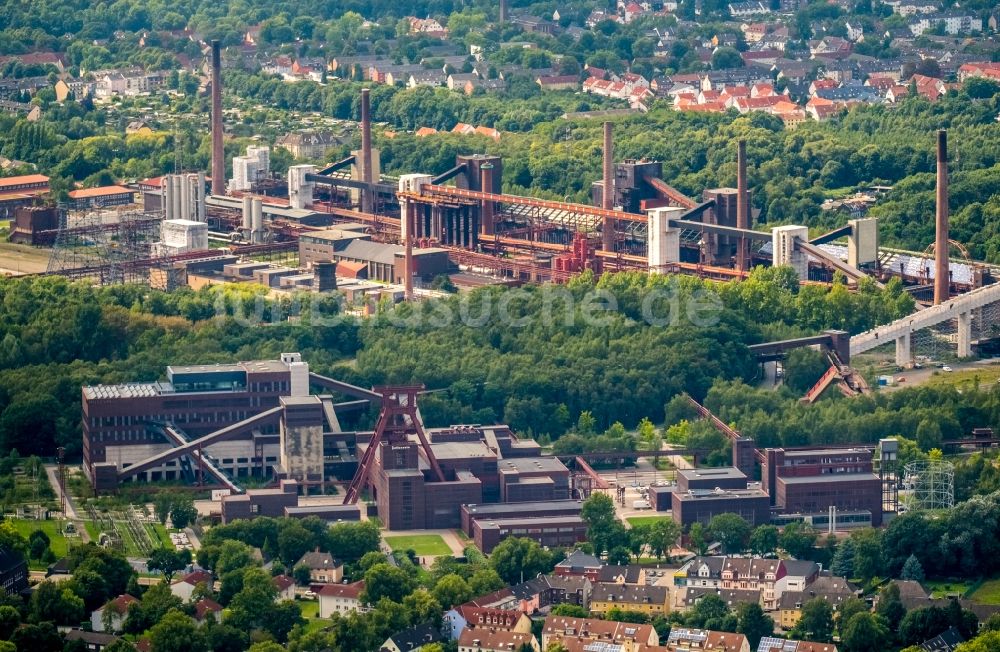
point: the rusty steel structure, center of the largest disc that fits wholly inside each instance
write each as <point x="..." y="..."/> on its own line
<point x="397" y="420"/>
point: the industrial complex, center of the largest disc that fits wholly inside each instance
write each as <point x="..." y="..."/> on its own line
<point x="218" y="425"/>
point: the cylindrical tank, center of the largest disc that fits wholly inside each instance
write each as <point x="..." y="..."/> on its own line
<point x="248" y="213"/>
<point x="200" y="195"/>
<point x="175" y="190"/>
<point x="258" y="221"/>
<point x="166" y="187"/>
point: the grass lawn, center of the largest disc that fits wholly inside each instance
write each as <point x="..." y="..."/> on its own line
<point x="93" y="530"/>
<point x="644" y="520"/>
<point x="987" y="375"/>
<point x="310" y="608"/>
<point x="462" y="536"/>
<point x="161" y="533"/>
<point x="56" y="539"/>
<point x="941" y="588"/>
<point x="988" y="593"/>
<point x="422" y="544"/>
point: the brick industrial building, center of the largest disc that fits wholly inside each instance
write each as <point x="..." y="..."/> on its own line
<point x="230" y="421"/>
<point x="796" y="485"/>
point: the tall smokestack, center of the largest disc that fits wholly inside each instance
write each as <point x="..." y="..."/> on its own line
<point x="503" y="12"/>
<point x="608" y="190"/>
<point x="366" y="151"/>
<point x="942" y="280"/>
<point x="486" y="215"/>
<point x="408" y="252"/>
<point x="218" y="153"/>
<point x="742" y="203"/>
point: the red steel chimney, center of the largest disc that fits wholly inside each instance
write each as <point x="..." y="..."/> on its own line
<point x="742" y="203"/>
<point x="942" y="279"/>
<point x="218" y="151"/>
<point x="608" y="191"/>
<point x="486" y="215"/>
<point x="367" y="203"/>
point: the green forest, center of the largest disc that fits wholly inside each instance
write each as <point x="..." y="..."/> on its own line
<point x="618" y="347"/>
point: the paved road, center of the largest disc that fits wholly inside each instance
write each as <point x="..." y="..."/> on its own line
<point x="52" y="470"/>
<point x="918" y="376"/>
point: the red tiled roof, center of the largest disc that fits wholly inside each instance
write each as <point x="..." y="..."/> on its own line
<point x="206" y="606"/>
<point x="352" y="591"/>
<point x="27" y="178"/>
<point x="103" y="191"/>
<point x="282" y="582"/>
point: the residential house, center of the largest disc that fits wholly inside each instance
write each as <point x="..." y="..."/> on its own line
<point x="764" y="57"/>
<point x="309" y="144"/>
<point x="632" y="11"/>
<point x="184" y="587"/>
<point x="776" y="39"/>
<point x="533" y="24"/>
<point x="753" y="32"/>
<point x="752" y="574"/>
<point x="92" y="641"/>
<point x="114" y="612"/>
<point x="486" y="85"/>
<point x="651" y="600"/>
<point x="834" y="590"/>
<point x="986" y="69"/>
<point x="425" y="131"/>
<point x="432" y="78"/>
<point x="745" y="9"/>
<point x="412" y="639"/>
<point x="954" y="22"/>
<point x="463" y="129"/>
<point x="207" y="608"/>
<point x="914" y="7"/>
<point x="821" y="84"/>
<point x="830" y="47"/>
<point x="686" y="598"/>
<point x="855" y="32"/>
<point x="794" y="72"/>
<point x="946" y="641"/>
<point x="496" y="640"/>
<point x="700" y="571"/>
<point x="583" y="631"/>
<point x="427" y="27"/>
<point x="772" y="644"/>
<point x="398" y="75"/>
<point x="580" y="564"/>
<point x="547" y="591"/>
<point x="615" y="574"/>
<point x="719" y="79"/>
<point x="140" y="127"/>
<point x="466" y="616"/>
<point x="340" y="598"/>
<point x="849" y="92"/>
<point x="821" y="110"/>
<point x="682" y="639"/>
<point x="285" y="586"/>
<point x="323" y="568"/>
<point x="796" y="575"/>
<point x="558" y="82"/>
<point x="456" y="81"/>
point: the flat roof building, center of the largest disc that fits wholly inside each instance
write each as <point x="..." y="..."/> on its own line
<point x="727" y="477"/>
<point x="700" y="505"/>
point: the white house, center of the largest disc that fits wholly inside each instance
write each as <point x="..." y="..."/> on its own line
<point x="183" y="588"/>
<point x="340" y="598"/>
<point x="285" y="586"/>
<point x="119" y="611"/>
